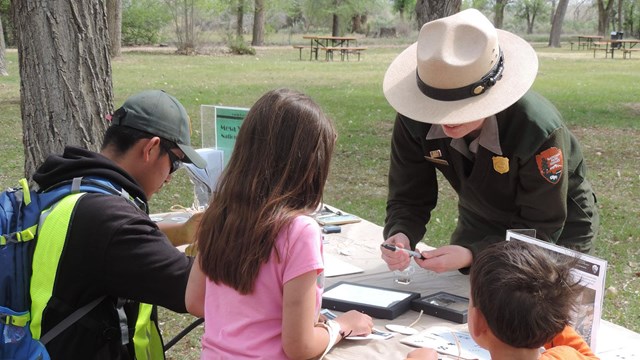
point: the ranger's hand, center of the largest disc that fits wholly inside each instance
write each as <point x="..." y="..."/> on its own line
<point x="446" y="258"/>
<point x="397" y="260"/>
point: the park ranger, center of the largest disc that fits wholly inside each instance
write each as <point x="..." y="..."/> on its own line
<point x="465" y="108"/>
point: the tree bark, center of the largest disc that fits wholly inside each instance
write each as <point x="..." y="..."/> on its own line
<point x="3" y="64"/>
<point x="556" y="26"/>
<point x="240" y="20"/>
<point x="498" y="19"/>
<point x="335" y="28"/>
<point x="429" y="10"/>
<point x="620" y="25"/>
<point x="65" y="75"/>
<point x="531" y="11"/>
<point x="603" y="16"/>
<point x="258" y="24"/>
<point x="114" y="21"/>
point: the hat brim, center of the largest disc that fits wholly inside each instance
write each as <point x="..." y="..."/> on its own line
<point x="402" y="92"/>
<point x="192" y="156"/>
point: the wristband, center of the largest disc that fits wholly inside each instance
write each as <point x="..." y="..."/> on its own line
<point x="343" y="335"/>
<point x="333" y="328"/>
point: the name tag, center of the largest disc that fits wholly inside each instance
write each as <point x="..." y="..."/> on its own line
<point x="436" y="160"/>
<point x="434" y="157"/>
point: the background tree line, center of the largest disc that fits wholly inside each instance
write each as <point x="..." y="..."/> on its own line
<point x="65" y="46"/>
<point x="189" y="23"/>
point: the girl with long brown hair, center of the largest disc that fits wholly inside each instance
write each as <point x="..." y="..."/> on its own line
<point x="258" y="275"/>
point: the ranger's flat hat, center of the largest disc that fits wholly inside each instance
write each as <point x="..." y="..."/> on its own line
<point x="461" y="69"/>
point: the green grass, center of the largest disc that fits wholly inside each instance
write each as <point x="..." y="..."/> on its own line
<point x="598" y="98"/>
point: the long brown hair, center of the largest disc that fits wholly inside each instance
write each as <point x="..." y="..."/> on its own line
<point x="277" y="171"/>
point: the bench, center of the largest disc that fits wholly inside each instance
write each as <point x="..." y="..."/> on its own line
<point x="299" y="47"/>
<point x="344" y="52"/>
<point x="578" y="45"/>
<point x="601" y="46"/>
<point x="628" y="51"/>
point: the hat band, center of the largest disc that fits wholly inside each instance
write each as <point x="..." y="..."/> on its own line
<point x="117" y="116"/>
<point x="475" y="89"/>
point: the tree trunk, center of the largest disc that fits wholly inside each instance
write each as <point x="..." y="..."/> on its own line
<point x="556" y="26"/>
<point x="65" y="75"/>
<point x="429" y="10"/>
<point x="335" y="28"/>
<point x="498" y="19"/>
<point x="258" y="24"/>
<point x="553" y="11"/>
<point x="620" y="25"/>
<point x="603" y="16"/>
<point x="188" y="21"/>
<point x="240" y="20"/>
<point x="114" y="23"/>
<point x="531" y="11"/>
<point x="530" y="21"/>
<point x="356" y="24"/>
<point x="3" y="65"/>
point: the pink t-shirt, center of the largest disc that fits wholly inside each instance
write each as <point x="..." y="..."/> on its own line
<point x="250" y="326"/>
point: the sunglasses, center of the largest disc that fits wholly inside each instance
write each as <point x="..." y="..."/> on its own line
<point x="174" y="160"/>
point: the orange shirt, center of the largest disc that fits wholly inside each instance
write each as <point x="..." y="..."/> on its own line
<point x="568" y="345"/>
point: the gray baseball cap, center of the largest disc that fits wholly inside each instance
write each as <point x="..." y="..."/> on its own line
<point x="160" y="114"/>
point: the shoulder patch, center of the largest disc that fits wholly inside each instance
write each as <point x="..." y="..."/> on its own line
<point x="550" y="164"/>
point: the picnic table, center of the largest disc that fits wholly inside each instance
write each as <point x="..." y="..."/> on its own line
<point x="358" y="244"/>
<point x="627" y="46"/>
<point x="586" y="41"/>
<point x="330" y="44"/>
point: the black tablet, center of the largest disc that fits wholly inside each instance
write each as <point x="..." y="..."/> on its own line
<point x="378" y="302"/>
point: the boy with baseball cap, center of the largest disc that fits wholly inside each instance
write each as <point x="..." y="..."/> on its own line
<point x="112" y="250"/>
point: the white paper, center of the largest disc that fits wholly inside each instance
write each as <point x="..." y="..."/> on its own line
<point x="592" y="272"/>
<point x="205" y="180"/>
<point x="333" y="266"/>
<point x="448" y="341"/>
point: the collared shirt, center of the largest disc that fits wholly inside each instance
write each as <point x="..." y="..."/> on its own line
<point x="489" y="139"/>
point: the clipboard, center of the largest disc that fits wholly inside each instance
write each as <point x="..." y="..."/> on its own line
<point x="336" y="219"/>
<point x="330" y="216"/>
<point x="378" y="302"/>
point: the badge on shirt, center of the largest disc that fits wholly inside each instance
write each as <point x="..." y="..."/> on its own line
<point x="434" y="157"/>
<point x="550" y="164"/>
<point x="500" y="164"/>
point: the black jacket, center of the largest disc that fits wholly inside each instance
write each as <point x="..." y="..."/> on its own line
<point x="114" y="249"/>
<point x="496" y="192"/>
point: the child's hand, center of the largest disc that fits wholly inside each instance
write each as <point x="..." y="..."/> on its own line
<point x="354" y="323"/>
<point x="423" y="354"/>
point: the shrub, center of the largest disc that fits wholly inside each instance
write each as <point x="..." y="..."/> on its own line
<point x="239" y="47"/>
<point x="142" y="21"/>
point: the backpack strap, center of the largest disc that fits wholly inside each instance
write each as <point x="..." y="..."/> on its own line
<point x="23" y="198"/>
<point x="21" y="236"/>
<point x="97" y="185"/>
<point x="75" y="186"/>
<point x="70" y="320"/>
